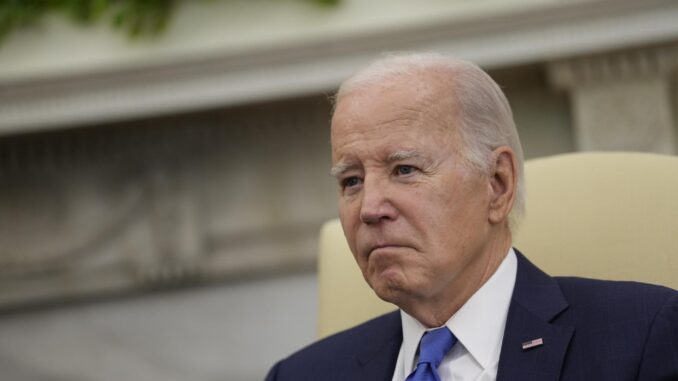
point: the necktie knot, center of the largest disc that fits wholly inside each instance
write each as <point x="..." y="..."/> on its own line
<point x="434" y="346"/>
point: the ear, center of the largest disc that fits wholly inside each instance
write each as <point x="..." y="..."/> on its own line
<point x="503" y="182"/>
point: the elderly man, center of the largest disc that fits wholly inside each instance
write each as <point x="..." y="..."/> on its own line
<point x="429" y="167"/>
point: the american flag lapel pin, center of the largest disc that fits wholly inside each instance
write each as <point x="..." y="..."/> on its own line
<point x="533" y="343"/>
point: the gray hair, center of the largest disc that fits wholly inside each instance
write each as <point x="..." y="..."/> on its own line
<point x="483" y="113"/>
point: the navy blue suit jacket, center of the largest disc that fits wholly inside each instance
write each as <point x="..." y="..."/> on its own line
<point x="591" y="329"/>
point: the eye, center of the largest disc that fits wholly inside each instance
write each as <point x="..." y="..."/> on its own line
<point x="404" y="170"/>
<point x="350" y="182"/>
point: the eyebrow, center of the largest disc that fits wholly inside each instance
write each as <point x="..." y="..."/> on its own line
<point x="341" y="168"/>
<point x="402" y="155"/>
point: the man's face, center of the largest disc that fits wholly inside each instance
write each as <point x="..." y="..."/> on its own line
<point x="414" y="215"/>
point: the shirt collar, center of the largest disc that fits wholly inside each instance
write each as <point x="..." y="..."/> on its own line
<point x="479" y="324"/>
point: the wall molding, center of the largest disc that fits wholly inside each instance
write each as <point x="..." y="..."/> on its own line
<point x="542" y="33"/>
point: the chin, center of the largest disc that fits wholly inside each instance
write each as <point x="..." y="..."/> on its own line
<point x="390" y="296"/>
<point x="390" y="289"/>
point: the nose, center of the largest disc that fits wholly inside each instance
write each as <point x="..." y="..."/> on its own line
<point x="376" y="206"/>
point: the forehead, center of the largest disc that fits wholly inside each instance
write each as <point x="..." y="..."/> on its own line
<point x="398" y="116"/>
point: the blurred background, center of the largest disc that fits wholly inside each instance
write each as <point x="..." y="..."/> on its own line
<point x="164" y="164"/>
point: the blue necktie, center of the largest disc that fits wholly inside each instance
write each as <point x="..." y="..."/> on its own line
<point x="432" y="348"/>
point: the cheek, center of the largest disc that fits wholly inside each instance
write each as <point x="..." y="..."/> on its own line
<point x="465" y="225"/>
<point x="450" y="219"/>
<point x="350" y="220"/>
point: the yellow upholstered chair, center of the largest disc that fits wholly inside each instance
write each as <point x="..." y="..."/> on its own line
<point x="597" y="215"/>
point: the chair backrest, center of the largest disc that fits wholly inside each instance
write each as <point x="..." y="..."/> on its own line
<point x="596" y="215"/>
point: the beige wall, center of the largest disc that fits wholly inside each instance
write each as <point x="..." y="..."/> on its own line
<point x="204" y="28"/>
<point x="202" y="156"/>
<point x="541" y="113"/>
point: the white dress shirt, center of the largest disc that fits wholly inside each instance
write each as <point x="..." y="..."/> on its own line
<point x="479" y="326"/>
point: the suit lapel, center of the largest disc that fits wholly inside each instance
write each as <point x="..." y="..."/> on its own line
<point x="536" y="302"/>
<point x="377" y="359"/>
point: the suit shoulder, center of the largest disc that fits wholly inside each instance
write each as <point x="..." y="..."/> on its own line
<point x="598" y="285"/>
<point x="616" y="320"/>
<point x="592" y="292"/>
<point x="344" y="344"/>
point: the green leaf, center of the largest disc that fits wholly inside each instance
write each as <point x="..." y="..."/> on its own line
<point x="136" y="17"/>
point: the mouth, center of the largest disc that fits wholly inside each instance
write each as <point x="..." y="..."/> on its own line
<point x="383" y="248"/>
